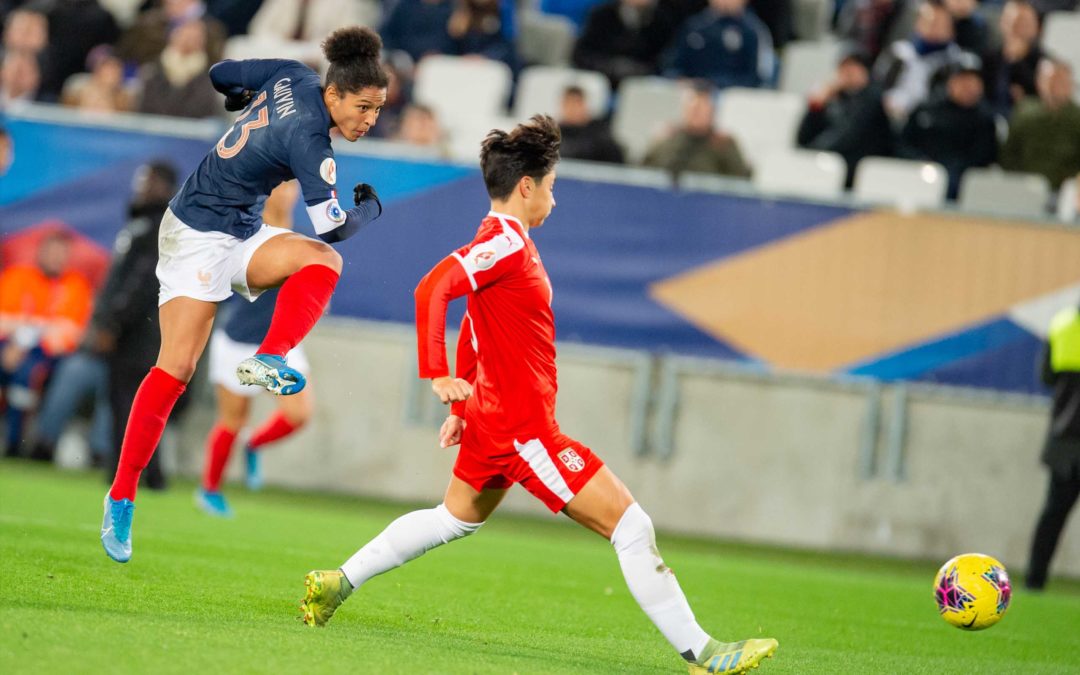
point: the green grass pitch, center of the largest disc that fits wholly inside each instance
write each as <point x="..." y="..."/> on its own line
<point x="522" y="596"/>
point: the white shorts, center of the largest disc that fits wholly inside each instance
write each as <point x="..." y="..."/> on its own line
<point x="226" y="354"/>
<point x="205" y="265"/>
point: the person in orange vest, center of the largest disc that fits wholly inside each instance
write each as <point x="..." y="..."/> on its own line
<point x="43" y="310"/>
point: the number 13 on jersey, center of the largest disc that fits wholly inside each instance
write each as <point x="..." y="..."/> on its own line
<point x="259" y="121"/>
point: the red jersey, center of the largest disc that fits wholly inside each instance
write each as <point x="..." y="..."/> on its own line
<point x="507" y="344"/>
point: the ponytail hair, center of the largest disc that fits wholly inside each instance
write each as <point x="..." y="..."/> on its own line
<point x="529" y="149"/>
<point x="354" y="54"/>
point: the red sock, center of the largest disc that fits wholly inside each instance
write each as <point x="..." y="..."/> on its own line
<point x="273" y="429"/>
<point x="153" y="402"/>
<point x="301" y="301"/>
<point x="219" y="444"/>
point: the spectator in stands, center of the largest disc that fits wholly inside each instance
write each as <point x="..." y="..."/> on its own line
<point x="7" y="151"/>
<point x="583" y="136"/>
<point x="475" y="29"/>
<point x="847" y="117"/>
<point x="75" y="27"/>
<point x="954" y="128"/>
<point x="696" y="145"/>
<point x="43" y="309"/>
<point x="177" y="83"/>
<point x="310" y="20"/>
<point x="121" y="308"/>
<point x="103" y="90"/>
<point x="1044" y="133"/>
<point x="20" y="77"/>
<point x="777" y="17"/>
<point x="418" y="28"/>
<point x="625" y="38"/>
<point x="144" y="42"/>
<point x="724" y="44"/>
<point x="420" y="127"/>
<point x="26" y="30"/>
<point x="868" y="24"/>
<point x="971" y="30"/>
<point x="908" y="67"/>
<point x="1009" y="71"/>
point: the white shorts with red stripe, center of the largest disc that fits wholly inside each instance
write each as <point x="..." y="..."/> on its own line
<point x="550" y="465"/>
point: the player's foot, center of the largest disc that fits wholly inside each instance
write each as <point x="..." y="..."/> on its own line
<point x="253" y="478"/>
<point x="213" y="503"/>
<point x="326" y="590"/>
<point x="116" y="528"/>
<point x="728" y="658"/>
<point x="272" y="373"/>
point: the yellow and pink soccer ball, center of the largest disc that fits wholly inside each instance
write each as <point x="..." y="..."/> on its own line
<point x="972" y="591"/>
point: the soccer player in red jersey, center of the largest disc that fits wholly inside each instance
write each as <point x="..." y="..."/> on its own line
<point x="503" y="412"/>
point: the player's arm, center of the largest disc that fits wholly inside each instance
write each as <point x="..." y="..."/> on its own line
<point x="238" y="80"/>
<point x="333" y="224"/>
<point x="312" y="162"/>
<point x="445" y="281"/>
<point x="452" y="428"/>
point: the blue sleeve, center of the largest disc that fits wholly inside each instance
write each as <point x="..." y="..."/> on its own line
<point x="312" y="162"/>
<point x="355" y="218"/>
<point x="233" y="77"/>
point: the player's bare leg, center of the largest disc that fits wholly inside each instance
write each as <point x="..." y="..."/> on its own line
<point x="185" y="329"/>
<point x="606" y="507"/>
<point x="307" y="271"/>
<point x="233" y="411"/>
<point x="462" y="512"/>
<point x="292" y="414"/>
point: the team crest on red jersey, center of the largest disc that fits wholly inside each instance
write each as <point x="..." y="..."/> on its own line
<point x="484" y="258"/>
<point x="572" y="460"/>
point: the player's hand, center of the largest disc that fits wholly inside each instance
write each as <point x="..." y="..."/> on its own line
<point x="235" y="102"/>
<point x="451" y="389"/>
<point x="450" y="432"/>
<point x="366" y="193"/>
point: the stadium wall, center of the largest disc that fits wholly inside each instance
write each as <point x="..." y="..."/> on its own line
<point x="709" y="449"/>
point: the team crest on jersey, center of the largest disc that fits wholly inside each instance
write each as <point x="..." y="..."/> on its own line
<point x="483" y="257"/>
<point x="572" y="460"/>
<point x="334" y="212"/>
<point x="328" y="170"/>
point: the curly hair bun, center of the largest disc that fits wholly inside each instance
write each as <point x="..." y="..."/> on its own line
<point x="355" y="43"/>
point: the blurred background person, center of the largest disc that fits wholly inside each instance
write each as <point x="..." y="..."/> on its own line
<point x="145" y="41"/>
<point x="625" y="38"/>
<point x="869" y="24"/>
<point x="20" y="77"/>
<point x="955" y="128"/>
<point x="75" y="27"/>
<point x="44" y="308"/>
<point x="725" y="44"/>
<point x="418" y="28"/>
<point x="237" y="338"/>
<point x="583" y="136"/>
<point x="476" y="28"/>
<point x="907" y="68"/>
<point x="103" y="89"/>
<point x="177" y="83"/>
<point x="119" y="306"/>
<point x="26" y="30"/>
<point x="1009" y="70"/>
<point x="696" y="145"/>
<point x="1044" y="132"/>
<point x="846" y="116"/>
<point x="420" y="127"/>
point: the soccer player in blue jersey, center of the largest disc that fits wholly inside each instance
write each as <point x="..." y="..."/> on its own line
<point x="213" y="242"/>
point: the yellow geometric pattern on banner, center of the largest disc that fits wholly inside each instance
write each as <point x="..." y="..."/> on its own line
<point x="871" y="284"/>
<point x="1065" y="341"/>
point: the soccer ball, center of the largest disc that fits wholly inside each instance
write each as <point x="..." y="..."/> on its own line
<point x="972" y="591"/>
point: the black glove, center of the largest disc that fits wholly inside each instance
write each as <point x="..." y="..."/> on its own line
<point x="234" y="102"/>
<point x="365" y="193"/>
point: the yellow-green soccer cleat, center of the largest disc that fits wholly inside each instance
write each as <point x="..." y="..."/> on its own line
<point x="729" y="658"/>
<point x="326" y="590"/>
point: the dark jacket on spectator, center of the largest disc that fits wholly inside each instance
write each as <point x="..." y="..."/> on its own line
<point x="956" y="137"/>
<point x="999" y="77"/>
<point x="851" y="125"/>
<point x="591" y="142"/>
<point x="147" y="38"/>
<point x="196" y="98"/>
<point x="419" y="28"/>
<point x="684" y="151"/>
<point x="75" y="27"/>
<point x="610" y="45"/>
<point x="1044" y="141"/>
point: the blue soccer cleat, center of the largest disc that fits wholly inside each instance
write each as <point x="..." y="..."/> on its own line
<point x="253" y="478"/>
<point x="272" y="373"/>
<point x="213" y="503"/>
<point x="116" y="528"/>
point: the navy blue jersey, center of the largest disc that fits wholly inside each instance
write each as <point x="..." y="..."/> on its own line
<point x="249" y="321"/>
<point x="282" y="134"/>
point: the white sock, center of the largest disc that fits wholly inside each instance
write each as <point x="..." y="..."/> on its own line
<point x="654" y="586"/>
<point x="408" y="537"/>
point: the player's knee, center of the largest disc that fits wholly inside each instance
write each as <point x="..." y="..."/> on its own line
<point x="634" y="532"/>
<point x="180" y="368"/>
<point x="454" y="528"/>
<point x="327" y="257"/>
